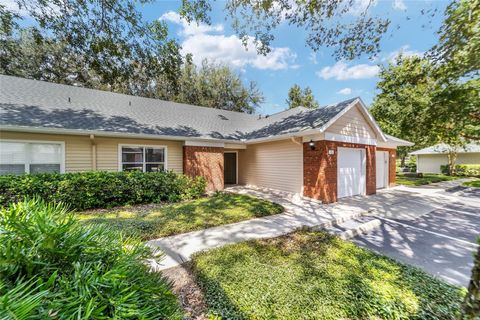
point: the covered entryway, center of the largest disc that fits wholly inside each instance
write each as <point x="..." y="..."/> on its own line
<point x="351" y="172"/>
<point x="381" y="168"/>
<point x="230" y="167"/>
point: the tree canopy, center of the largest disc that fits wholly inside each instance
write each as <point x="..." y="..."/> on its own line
<point x="108" y="45"/>
<point x="298" y="97"/>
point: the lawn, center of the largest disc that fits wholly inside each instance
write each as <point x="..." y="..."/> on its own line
<point x="474" y="183"/>
<point x="313" y="275"/>
<point x="154" y="221"/>
<point x="426" y="179"/>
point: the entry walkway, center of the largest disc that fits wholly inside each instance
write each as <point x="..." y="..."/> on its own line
<point x="401" y="203"/>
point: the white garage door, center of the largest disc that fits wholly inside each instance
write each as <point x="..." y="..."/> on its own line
<point x="381" y="169"/>
<point x="351" y="168"/>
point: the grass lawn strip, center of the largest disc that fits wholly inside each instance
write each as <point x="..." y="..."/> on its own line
<point x="426" y="179"/>
<point x="313" y="275"/>
<point x="474" y="183"/>
<point x="155" y="221"/>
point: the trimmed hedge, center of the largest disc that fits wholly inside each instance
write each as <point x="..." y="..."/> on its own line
<point x="467" y="170"/>
<point x="100" y="189"/>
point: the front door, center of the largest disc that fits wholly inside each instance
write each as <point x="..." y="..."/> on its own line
<point x="230" y="167"/>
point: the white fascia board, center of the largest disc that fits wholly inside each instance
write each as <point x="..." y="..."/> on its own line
<point x="349" y="139"/>
<point x="235" y="146"/>
<point x="282" y="136"/>
<point x="198" y="143"/>
<point x="99" y="133"/>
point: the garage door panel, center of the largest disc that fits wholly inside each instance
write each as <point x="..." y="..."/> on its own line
<point x="350" y="172"/>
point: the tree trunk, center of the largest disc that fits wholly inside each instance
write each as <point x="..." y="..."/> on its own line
<point x="402" y="161"/>
<point x="452" y="157"/>
<point x="471" y="304"/>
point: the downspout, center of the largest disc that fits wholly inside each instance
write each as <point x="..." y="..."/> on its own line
<point x="94" y="152"/>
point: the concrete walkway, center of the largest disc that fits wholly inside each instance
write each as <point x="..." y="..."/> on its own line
<point x="298" y="213"/>
<point x="403" y="203"/>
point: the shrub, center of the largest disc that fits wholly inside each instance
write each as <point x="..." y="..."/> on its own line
<point x="97" y="189"/>
<point x="464" y="170"/>
<point x="53" y="267"/>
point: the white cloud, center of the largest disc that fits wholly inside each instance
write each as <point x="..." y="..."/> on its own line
<point x="404" y="51"/>
<point x="204" y="42"/>
<point x="358" y="7"/>
<point x="345" y="91"/>
<point x="399" y="5"/>
<point x="341" y="71"/>
<point x="313" y="57"/>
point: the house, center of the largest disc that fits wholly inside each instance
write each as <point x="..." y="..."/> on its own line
<point x="430" y="159"/>
<point x="327" y="153"/>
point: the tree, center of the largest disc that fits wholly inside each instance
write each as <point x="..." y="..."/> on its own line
<point x="211" y="85"/>
<point x="401" y="107"/>
<point x="459" y="39"/>
<point x="298" y="97"/>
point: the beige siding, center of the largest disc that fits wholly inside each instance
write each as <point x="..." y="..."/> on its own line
<point x="276" y="165"/>
<point x="107" y="152"/>
<point x="78" y="150"/>
<point x="353" y="124"/>
<point x="430" y="163"/>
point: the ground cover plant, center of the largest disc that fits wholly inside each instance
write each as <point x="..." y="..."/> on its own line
<point x="53" y="267"/>
<point x="313" y="275"/>
<point x="426" y="178"/>
<point x="101" y="189"/>
<point x="474" y="183"/>
<point x="156" y="221"/>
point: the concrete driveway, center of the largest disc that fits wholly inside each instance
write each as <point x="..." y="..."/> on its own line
<point x="438" y="235"/>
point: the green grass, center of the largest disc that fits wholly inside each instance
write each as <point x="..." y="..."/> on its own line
<point x="427" y="179"/>
<point x="154" y="221"/>
<point x="313" y="275"/>
<point x="474" y="183"/>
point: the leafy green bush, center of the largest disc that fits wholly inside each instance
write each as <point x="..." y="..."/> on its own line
<point x="463" y="170"/>
<point x="98" y="189"/>
<point x="53" y="267"/>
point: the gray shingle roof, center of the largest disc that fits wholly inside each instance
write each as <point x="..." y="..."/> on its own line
<point x="443" y="148"/>
<point x="39" y="104"/>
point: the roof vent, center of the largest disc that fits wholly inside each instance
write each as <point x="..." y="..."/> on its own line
<point x="129" y="103"/>
<point x="69" y="100"/>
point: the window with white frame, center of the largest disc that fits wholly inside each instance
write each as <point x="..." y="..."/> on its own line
<point x="19" y="157"/>
<point x="142" y="158"/>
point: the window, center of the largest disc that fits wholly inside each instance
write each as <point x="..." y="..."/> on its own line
<point x="19" y="157"/>
<point x="142" y="158"/>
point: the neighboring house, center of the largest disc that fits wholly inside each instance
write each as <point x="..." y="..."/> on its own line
<point x="430" y="159"/>
<point x="325" y="154"/>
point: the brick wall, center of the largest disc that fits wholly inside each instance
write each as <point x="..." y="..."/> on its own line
<point x="392" y="159"/>
<point x="320" y="169"/>
<point x="206" y="162"/>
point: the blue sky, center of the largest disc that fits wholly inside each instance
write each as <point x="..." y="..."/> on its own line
<point x="291" y="61"/>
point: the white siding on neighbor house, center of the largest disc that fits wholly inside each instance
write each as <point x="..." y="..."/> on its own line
<point x="352" y="124"/>
<point x="276" y="165"/>
<point x="430" y="163"/>
<point x="78" y="150"/>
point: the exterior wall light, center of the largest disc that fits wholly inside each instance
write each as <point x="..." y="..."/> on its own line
<point x="311" y="144"/>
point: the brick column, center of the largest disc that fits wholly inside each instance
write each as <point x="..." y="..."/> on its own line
<point x="206" y="162"/>
<point x="320" y="169"/>
<point x="392" y="165"/>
